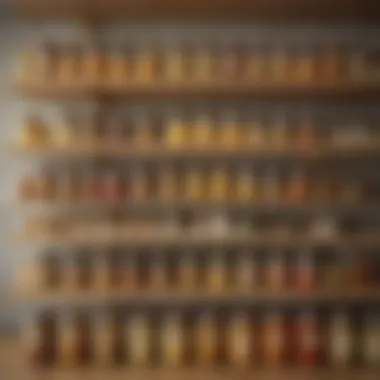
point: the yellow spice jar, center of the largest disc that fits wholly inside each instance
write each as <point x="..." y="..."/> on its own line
<point x="176" y="132"/>
<point x="194" y="184"/>
<point x="203" y="131"/>
<point x="173" y="341"/>
<point x="229" y="136"/>
<point x="145" y="67"/>
<point x="206" y="340"/>
<point x="220" y="184"/>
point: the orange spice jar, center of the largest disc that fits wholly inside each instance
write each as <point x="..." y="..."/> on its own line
<point x="330" y="64"/>
<point x="92" y="65"/>
<point x="255" y="133"/>
<point x="229" y="136"/>
<point x="256" y="69"/>
<point x="220" y="184"/>
<point x="206" y="340"/>
<point x="174" y="65"/>
<point x="68" y="66"/>
<point x="306" y="136"/>
<point x="194" y="184"/>
<point x="176" y="132"/>
<point x="173" y="344"/>
<point x="304" y="66"/>
<point x="307" y="337"/>
<point x="273" y="340"/>
<point x="297" y="187"/>
<point x="217" y="273"/>
<point x="145" y="66"/>
<point x="279" y="65"/>
<point x="103" y="340"/>
<point x="275" y="273"/>
<point x="203" y="131"/>
<point x="118" y="67"/>
<point x="168" y="183"/>
<point x="68" y="341"/>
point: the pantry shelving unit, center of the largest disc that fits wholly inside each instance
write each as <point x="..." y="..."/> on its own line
<point x="98" y="239"/>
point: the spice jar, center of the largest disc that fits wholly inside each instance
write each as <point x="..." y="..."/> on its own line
<point x="68" y="68"/>
<point x="255" y="133"/>
<point x="174" y="65"/>
<point x="29" y="189"/>
<point x="220" y="184"/>
<point x="202" y="65"/>
<point x="68" y="341"/>
<point x="34" y="132"/>
<point x="173" y="345"/>
<point x="340" y="346"/>
<point x="47" y="185"/>
<point x="104" y="340"/>
<point x="188" y="272"/>
<point x="65" y="134"/>
<point x="167" y="189"/>
<point x="219" y="226"/>
<point x="139" y="185"/>
<point x="47" y="61"/>
<point x="34" y="341"/>
<point x="158" y="274"/>
<point x="145" y="68"/>
<point x="271" y="186"/>
<point x="305" y="66"/>
<point x="229" y="64"/>
<point x="306" y="135"/>
<point x="111" y="186"/>
<point x="92" y="65"/>
<point x="239" y="340"/>
<point x="246" y="272"/>
<point x="229" y="132"/>
<point x="29" y="63"/>
<point x="203" y="131"/>
<point x="305" y="272"/>
<point x="194" y="185"/>
<point x="257" y="65"/>
<point x="275" y="272"/>
<point x="297" y="187"/>
<point x="143" y="133"/>
<point x="49" y="274"/>
<point x="217" y="273"/>
<point x="247" y="187"/>
<point x="371" y="340"/>
<point x="137" y="340"/>
<point x="307" y="340"/>
<point x="280" y="65"/>
<point x="206" y="340"/>
<point x="66" y="186"/>
<point x="102" y="275"/>
<point x="118" y="69"/>
<point x="279" y="132"/>
<point x="330" y="66"/>
<point x="176" y="133"/>
<point x="116" y="136"/>
<point x="273" y="340"/>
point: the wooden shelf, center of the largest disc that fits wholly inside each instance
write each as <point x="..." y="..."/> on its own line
<point x="361" y="208"/>
<point x="160" y="239"/>
<point x="276" y="10"/>
<point x="185" y="152"/>
<point x="82" y="298"/>
<point x="199" y="90"/>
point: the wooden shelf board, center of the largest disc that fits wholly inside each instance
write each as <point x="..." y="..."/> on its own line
<point x="162" y="152"/>
<point x="149" y="297"/>
<point x="285" y="10"/>
<point x="162" y="239"/>
<point x="342" y="89"/>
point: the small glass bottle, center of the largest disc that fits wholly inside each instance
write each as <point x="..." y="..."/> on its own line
<point x="257" y="65"/>
<point x="341" y="341"/>
<point x="68" y="68"/>
<point x="371" y="340"/>
<point x="68" y="341"/>
<point x="280" y="65"/>
<point x="305" y="66"/>
<point x="239" y="340"/>
<point x="306" y="136"/>
<point x="203" y="133"/>
<point x="92" y="65"/>
<point x="276" y="272"/>
<point x="307" y="340"/>
<point x="145" y="70"/>
<point x="158" y="274"/>
<point x="188" y="270"/>
<point x="273" y="340"/>
<point x="28" y="188"/>
<point x="229" y="131"/>
<point x="256" y="136"/>
<point x="138" y="340"/>
<point x="202" y="65"/>
<point x="305" y="272"/>
<point x="139" y="185"/>
<point x="246" y="273"/>
<point x="247" y="187"/>
<point x="206" y="340"/>
<point x="194" y="184"/>
<point x="103" y="340"/>
<point x="176" y="132"/>
<point x="47" y="185"/>
<point x="279" y="133"/>
<point x="174" y="65"/>
<point x="217" y="273"/>
<point x="220" y="184"/>
<point x="168" y="184"/>
<point x="118" y="70"/>
<point x="143" y="133"/>
<point x="271" y="186"/>
<point x="172" y="341"/>
<point x="34" y="132"/>
<point x="101" y="273"/>
<point x="229" y="64"/>
<point x="297" y="187"/>
<point x="330" y="66"/>
<point x="33" y="341"/>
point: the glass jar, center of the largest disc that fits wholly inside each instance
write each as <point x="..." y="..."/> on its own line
<point x="279" y="65"/>
<point x="167" y="190"/>
<point x="68" y="341"/>
<point x="28" y="189"/>
<point x="247" y="186"/>
<point x="257" y="65"/>
<point x="194" y="184"/>
<point x="271" y="187"/>
<point x="118" y="70"/>
<point x="306" y="136"/>
<point x="256" y="136"/>
<point x="202" y="65"/>
<point x="275" y="276"/>
<point x="138" y="340"/>
<point x="229" y="131"/>
<point x="176" y="133"/>
<point x="111" y="186"/>
<point x="103" y="341"/>
<point x="92" y="65"/>
<point x="330" y="67"/>
<point x="340" y="348"/>
<point x="273" y="340"/>
<point x="48" y="185"/>
<point x="143" y="133"/>
<point x="174" y="65"/>
<point x="35" y="133"/>
<point x="217" y="273"/>
<point x="305" y="66"/>
<point x="173" y="341"/>
<point x="159" y="271"/>
<point x="188" y="272"/>
<point x="229" y="64"/>
<point x="47" y="62"/>
<point x="307" y="340"/>
<point x="279" y="131"/>
<point x="246" y="272"/>
<point x="203" y="131"/>
<point x="371" y="340"/>
<point x="68" y="68"/>
<point x="206" y="340"/>
<point x="305" y="272"/>
<point x="145" y="70"/>
<point x="297" y="190"/>
<point x="34" y="342"/>
<point x="239" y="340"/>
<point x="220" y="184"/>
<point x="139" y="185"/>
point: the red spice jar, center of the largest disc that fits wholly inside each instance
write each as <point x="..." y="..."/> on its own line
<point x="305" y="272"/>
<point x="307" y="340"/>
<point x="273" y="340"/>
